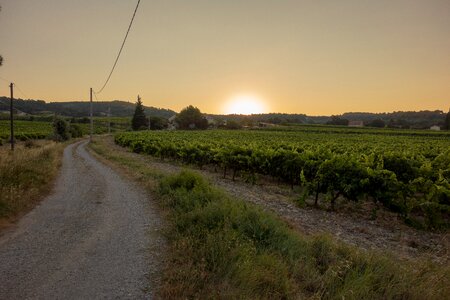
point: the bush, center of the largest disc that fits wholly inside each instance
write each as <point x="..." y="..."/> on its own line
<point x="76" y="131"/>
<point x="231" y="124"/>
<point x="157" y="123"/>
<point x="61" y="130"/>
<point x="378" y="123"/>
<point x="335" y="120"/>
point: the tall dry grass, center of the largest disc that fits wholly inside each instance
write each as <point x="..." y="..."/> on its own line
<point x="26" y="175"/>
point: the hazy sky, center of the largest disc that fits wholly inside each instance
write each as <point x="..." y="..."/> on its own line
<point x="303" y="56"/>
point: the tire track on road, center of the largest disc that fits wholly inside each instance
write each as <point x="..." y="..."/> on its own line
<point x="90" y="239"/>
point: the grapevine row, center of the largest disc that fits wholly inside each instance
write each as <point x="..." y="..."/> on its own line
<point x="410" y="176"/>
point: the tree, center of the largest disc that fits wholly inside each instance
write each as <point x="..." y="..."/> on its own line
<point x="191" y="118"/>
<point x="335" y="120"/>
<point x="158" y="123"/>
<point x="447" y="121"/>
<point x="139" y="120"/>
<point x="377" y="123"/>
<point x="233" y="125"/>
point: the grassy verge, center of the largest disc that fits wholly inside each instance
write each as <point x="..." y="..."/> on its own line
<point x="26" y="176"/>
<point x="222" y="247"/>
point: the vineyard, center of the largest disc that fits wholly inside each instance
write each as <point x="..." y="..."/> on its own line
<point x="408" y="173"/>
<point x="34" y="130"/>
<point x="25" y="130"/>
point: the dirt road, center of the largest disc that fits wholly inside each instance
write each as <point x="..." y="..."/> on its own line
<point x="96" y="237"/>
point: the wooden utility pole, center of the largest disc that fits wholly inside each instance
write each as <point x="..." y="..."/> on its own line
<point x="109" y="120"/>
<point x="11" y="116"/>
<point x="91" y="117"/>
<point x="149" y="122"/>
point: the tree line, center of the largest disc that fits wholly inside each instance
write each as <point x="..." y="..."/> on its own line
<point x="406" y="120"/>
<point x="188" y="118"/>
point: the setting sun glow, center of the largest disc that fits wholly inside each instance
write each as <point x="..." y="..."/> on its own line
<point x="245" y="105"/>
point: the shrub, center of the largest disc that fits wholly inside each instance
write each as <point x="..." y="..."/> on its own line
<point x="61" y="130"/>
<point x="76" y="131"/>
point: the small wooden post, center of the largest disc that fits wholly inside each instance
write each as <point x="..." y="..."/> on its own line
<point x="91" y="113"/>
<point x="109" y="120"/>
<point x="11" y="116"/>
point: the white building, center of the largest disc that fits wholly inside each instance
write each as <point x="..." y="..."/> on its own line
<point x="435" y="128"/>
<point x="172" y="123"/>
<point x="356" y="124"/>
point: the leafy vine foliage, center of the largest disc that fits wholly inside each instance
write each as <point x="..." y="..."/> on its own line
<point x="408" y="174"/>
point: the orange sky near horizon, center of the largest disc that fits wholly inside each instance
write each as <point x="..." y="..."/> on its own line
<point x="318" y="57"/>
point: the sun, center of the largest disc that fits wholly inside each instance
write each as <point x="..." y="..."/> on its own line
<point x="245" y="104"/>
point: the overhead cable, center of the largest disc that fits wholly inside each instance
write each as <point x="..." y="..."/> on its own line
<point x="120" y="51"/>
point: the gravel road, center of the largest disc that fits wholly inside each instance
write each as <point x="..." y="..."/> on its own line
<point x="96" y="237"/>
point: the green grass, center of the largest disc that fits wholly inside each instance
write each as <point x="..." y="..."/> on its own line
<point x="221" y="247"/>
<point x="225" y="247"/>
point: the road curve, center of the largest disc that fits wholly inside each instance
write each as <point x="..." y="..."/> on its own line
<point x="90" y="239"/>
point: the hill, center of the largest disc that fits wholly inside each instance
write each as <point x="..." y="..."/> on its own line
<point x="407" y="119"/>
<point x="413" y="119"/>
<point x="81" y="108"/>
<point x="275" y="118"/>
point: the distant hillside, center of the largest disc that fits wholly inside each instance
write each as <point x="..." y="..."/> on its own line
<point x="409" y="119"/>
<point x="414" y="119"/>
<point x="81" y="109"/>
<point x="275" y="118"/>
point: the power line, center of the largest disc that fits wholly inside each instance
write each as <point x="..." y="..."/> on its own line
<point x="20" y="90"/>
<point x="4" y="79"/>
<point x="15" y="84"/>
<point x="121" y="48"/>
